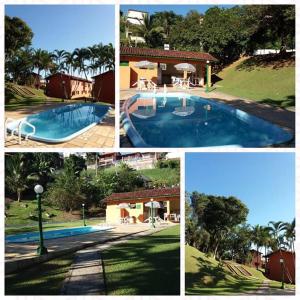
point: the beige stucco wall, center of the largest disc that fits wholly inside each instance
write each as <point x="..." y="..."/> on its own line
<point x="113" y="213"/>
<point x="80" y="89"/>
<point x="124" y="77"/>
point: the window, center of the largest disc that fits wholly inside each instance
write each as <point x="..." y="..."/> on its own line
<point x="132" y="206"/>
<point x="163" y="67"/>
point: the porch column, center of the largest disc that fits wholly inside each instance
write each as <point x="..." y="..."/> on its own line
<point x="209" y="75"/>
<point x="168" y="207"/>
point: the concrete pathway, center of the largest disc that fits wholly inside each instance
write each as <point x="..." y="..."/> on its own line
<point x="86" y="275"/>
<point x="265" y="289"/>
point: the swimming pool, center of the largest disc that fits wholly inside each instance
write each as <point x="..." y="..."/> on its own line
<point x="62" y="123"/>
<point x="53" y="234"/>
<point x="182" y="120"/>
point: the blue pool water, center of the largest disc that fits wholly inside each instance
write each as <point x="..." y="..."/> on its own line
<point x="63" y="123"/>
<point x="53" y="234"/>
<point x="183" y="120"/>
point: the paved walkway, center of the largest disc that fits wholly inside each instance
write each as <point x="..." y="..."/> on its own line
<point x="101" y="135"/>
<point x="275" y="115"/>
<point x="86" y="275"/>
<point x="265" y="289"/>
<point x="16" y="251"/>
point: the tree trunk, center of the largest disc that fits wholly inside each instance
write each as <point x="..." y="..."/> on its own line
<point x="19" y="195"/>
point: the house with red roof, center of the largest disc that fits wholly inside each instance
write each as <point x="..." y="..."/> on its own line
<point x="164" y="62"/>
<point x="104" y="87"/>
<point x="132" y="207"/>
<point x="280" y="265"/>
<point x="65" y="86"/>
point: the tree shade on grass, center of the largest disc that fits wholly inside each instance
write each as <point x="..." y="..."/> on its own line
<point x="204" y="276"/>
<point x="43" y="279"/>
<point x="269" y="82"/>
<point x="147" y="266"/>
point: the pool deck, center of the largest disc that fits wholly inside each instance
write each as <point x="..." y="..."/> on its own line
<point x="276" y="115"/>
<point x="17" y="251"/>
<point x="100" y="136"/>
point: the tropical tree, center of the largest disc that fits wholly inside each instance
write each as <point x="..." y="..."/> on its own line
<point x="16" y="173"/>
<point x="17" y="36"/>
<point x="152" y="34"/>
<point x="276" y="228"/>
<point x="290" y="234"/>
<point x="81" y="57"/>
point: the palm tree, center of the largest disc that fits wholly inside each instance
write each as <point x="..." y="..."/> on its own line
<point x="289" y="233"/>
<point x="257" y="238"/>
<point x="16" y="173"/>
<point x="147" y="29"/>
<point x="59" y="57"/>
<point x="275" y="229"/>
<point x="81" y="56"/>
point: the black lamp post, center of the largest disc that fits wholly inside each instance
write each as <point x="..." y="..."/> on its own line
<point x="41" y="249"/>
<point x="282" y="272"/>
<point x="152" y="214"/>
<point x="83" y="214"/>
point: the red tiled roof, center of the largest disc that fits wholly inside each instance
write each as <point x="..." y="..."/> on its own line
<point x="144" y="194"/>
<point x="69" y="76"/>
<point x="187" y="55"/>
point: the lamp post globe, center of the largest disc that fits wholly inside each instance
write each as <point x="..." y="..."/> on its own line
<point x="38" y="189"/>
<point x="41" y="248"/>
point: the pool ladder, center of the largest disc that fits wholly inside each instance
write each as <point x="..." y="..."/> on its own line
<point x="18" y="129"/>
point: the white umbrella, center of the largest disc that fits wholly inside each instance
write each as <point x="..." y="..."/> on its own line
<point x="155" y="204"/>
<point x="145" y="64"/>
<point x="185" y="67"/>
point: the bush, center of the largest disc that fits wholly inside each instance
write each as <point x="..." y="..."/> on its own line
<point x="172" y="164"/>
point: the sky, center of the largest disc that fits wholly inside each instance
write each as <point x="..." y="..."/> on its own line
<point x="67" y="26"/>
<point x="265" y="182"/>
<point x="178" y="9"/>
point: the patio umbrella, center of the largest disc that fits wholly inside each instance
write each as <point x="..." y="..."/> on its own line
<point x="152" y="204"/>
<point x="123" y="205"/>
<point x="185" y="67"/>
<point x="145" y="64"/>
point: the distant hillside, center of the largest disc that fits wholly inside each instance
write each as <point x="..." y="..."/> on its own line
<point x="204" y="276"/>
<point x="265" y="79"/>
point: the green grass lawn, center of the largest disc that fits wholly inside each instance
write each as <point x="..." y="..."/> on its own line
<point x="149" y="265"/>
<point x="271" y="83"/>
<point x="204" y="276"/>
<point x="44" y="279"/>
<point x="165" y="176"/>
<point x="22" y="217"/>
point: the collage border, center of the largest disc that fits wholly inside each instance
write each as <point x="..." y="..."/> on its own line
<point x="116" y="148"/>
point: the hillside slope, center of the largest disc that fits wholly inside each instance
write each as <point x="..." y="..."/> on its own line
<point x="204" y="276"/>
<point x="18" y="96"/>
<point x="261" y="79"/>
